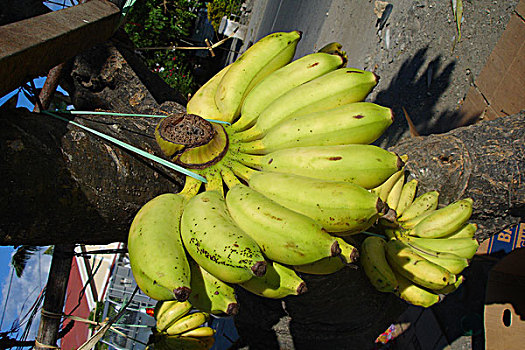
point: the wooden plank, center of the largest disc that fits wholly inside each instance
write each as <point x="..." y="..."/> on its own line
<point x="31" y="47"/>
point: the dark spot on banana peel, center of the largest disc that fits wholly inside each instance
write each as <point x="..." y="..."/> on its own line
<point x="313" y="65"/>
<point x="301" y="289"/>
<point x="354" y="71"/>
<point x="182" y="293"/>
<point x="259" y="269"/>
<point x="335" y="249"/>
<point x="354" y="255"/>
<point x="400" y="162"/>
<point x="359" y="116"/>
<point x="232" y="309"/>
<point x="335" y="158"/>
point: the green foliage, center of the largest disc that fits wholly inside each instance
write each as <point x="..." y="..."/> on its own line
<point x="220" y="8"/>
<point x="21" y="256"/>
<point x="163" y="23"/>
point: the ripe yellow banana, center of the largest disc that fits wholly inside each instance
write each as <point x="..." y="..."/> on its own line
<point x="408" y="193"/>
<point x="155" y="246"/>
<point x="282" y="234"/>
<point x="331" y="264"/>
<point x="331" y="90"/>
<point x="463" y="247"/>
<point x="187" y="323"/>
<point x="262" y="58"/>
<point x="444" y="221"/>
<point x="202" y="103"/>
<point x="337" y="206"/>
<point x="405" y="261"/>
<point x="414" y="294"/>
<point x="278" y="282"/>
<point x="426" y="202"/>
<point x="199" y="332"/>
<point x="210" y="294"/>
<point x="364" y="165"/>
<point x="394" y="195"/>
<point x="375" y="265"/>
<point x="216" y="243"/>
<point x="410" y="224"/>
<point x="170" y="312"/>
<point x="384" y="189"/>
<point x="283" y="80"/>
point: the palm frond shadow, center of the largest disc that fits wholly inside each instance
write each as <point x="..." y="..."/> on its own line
<point x="418" y="86"/>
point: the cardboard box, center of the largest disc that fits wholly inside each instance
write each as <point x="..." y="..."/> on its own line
<point x="505" y="241"/>
<point x="505" y="303"/>
<point x="499" y="88"/>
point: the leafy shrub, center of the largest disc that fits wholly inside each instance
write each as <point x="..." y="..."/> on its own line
<point x="220" y="8"/>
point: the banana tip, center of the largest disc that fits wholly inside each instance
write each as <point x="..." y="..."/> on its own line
<point x="182" y="293"/>
<point x="335" y="249"/>
<point x="259" y="269"/>
<point x="354" y="256"/>
<point x="233" y="309"/>
<point x="301" y="289"/>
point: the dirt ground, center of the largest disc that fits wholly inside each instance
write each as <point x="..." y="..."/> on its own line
<point x="423" y="70"/>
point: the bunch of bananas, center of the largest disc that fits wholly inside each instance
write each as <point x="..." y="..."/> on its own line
<point x="290" y="175"/>
<point x="427" y="247"/>
<point x="177" y="328"/>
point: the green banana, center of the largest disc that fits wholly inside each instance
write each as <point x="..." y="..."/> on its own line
<point x="187" y="323"/>
<point x="210" y="294"/>
<point x="410" y="224"/>
<point x="170" y="312"/>
<point x="467" y="231"/>
<point x="331" y="90"/>
<point x="150" y="288"/>
<point x="451" y="287"/>
<point x="463" y="247"/>
<point x="202" y="103"/>
<point x="331" y="264"/>
<point x="414" y="294"/>
<point x="337" y="206"/>
<point x="426" y="202"/>
<point x="278" y="282"/>
<point x="394" y="195"/>
<point x="282" y="80"/>
<point x="262" y="58"/>
<point x="444" y="221"/>
<point x="354" y="123"/>
<point x="155" y="246"/>
<point x="216" y="243"/>
<point x="453" y="263"/>
<point x="282" y="234"/>
<point x="364" y="165"/>
<point x="375" y="265"/>
<point x="407" y="196"/>
<point x="407" y="262"/>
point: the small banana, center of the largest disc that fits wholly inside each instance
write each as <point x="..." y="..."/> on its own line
<point x="187" y="323"/>
<point x="202" y="103"/>
<point x="364" y="165"/>
<point x="463" y="247"/>
<point x="353" y="123"/>
<point x="283" y="80"/>
<point x="444" y="221"/>
<point x="262" y="58"/>
<point x="210" y="294"/>
<point x="426" y="202"/>
<point x="282" y="234"/>
<point x="453" y="263"/>
<point x="394" y="195"/>
<point x="155" y="245"/>
<point x="339" y="207"/>
<point x="407" y="196"/>
<point x="278" y="282"/>
<point x="214" y="180"/>
<point x="331" y="264"/>
<point x="170" y="312"/>
<point x="375" y="265"/>
<point x="405" y="261"/>
<point x="216" y="243"/>
<point x="467" y="231"/>
<point x="451" y="287"/>
<point x="414" y="294"/>
<point x="199" y="332"/>
<point x="335" y="48"/>
<point x="339" y="87"/>
<point x="385" y="188"/>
